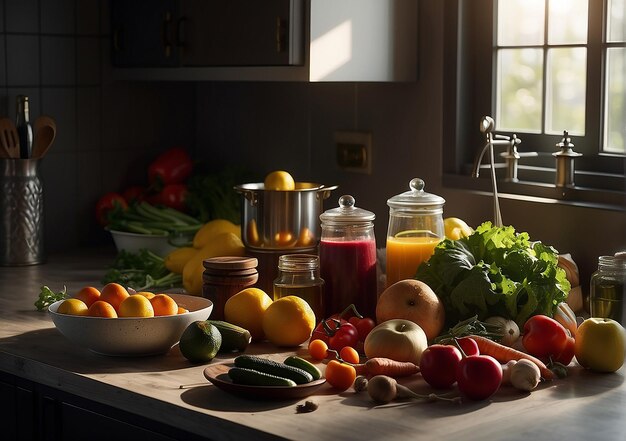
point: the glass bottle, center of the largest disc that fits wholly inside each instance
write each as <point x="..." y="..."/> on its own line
<point x="415" y="228"/>
<point x="348" y="258"/>
<point x="24" y="128"/>
<point x="608" y="288"/>
<point x="299" y="275"/>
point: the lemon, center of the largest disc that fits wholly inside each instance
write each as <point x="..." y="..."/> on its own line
<point x="288" y="321"/>
<point x="176" y="260"/>
<point x="200" y="342"/>
<point x="246" y="309"/>
<point x="136" y="306"/>
<point x="279" y="180"/>
<point x="73" y="307"/>
<point x="212" y="229"/>
<point x="456" y="228"/>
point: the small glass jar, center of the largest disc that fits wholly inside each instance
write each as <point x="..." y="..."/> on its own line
<point x="348" y="258"/>
<point x="299" y="275"/>
<point x="415" y="228"/>
<point x="224" y="277"/>
<point x="608" y="288"/>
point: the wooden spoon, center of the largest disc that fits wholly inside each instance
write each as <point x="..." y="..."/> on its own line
<point x="9" y="140"/>
<point x="45" y="132"/>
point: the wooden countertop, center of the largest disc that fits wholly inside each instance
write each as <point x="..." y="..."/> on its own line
<point x="583" y="406"/>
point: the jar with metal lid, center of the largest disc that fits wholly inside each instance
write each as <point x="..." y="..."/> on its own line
<point x="608" y="288"/>
<point x="299" y="275"/>
<point x="224" y="277"/>
<point x="348" y="258"/>
<point x="415" y="228"/>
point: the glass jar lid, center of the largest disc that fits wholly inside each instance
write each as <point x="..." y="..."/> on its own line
<point x="298" y="262"/>
<point x="346" y="213"/>
<point x="416" y="198"/>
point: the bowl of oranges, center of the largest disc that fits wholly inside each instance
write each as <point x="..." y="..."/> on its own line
<point x="116" y="322"/>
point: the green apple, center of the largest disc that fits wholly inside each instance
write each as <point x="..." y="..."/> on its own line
<point x="600" y="344"/>
<point x="397" y="339"/>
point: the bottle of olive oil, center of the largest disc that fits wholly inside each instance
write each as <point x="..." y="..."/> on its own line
<point x="608" y="288"/>
<point x="24" y="128"/>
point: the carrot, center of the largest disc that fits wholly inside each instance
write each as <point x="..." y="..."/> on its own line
<point x="387" y="366"/>
<point x="504" y="354"/>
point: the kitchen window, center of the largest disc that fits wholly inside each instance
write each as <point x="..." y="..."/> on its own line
<point x="539" y="68"/>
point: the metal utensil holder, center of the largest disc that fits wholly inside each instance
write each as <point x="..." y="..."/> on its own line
<point x="21" y="213"/>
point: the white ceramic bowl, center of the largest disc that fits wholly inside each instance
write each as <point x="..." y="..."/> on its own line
<point x="133" y="242"/>
<point x="127" y="336"/>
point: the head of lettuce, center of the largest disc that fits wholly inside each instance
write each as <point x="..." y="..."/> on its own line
<point x="495" y="271"/>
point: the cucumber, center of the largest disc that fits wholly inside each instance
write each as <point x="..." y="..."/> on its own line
<point x="299" y="376"/>
<point x="256" y="378"/>
<point x="234" y="338"/>
<point x="303" y="364"/>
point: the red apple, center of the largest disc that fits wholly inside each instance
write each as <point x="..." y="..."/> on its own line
<point x="439" y="364"/>
<point x="479" y="376"/>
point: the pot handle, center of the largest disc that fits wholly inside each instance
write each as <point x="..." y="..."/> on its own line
<point x="324" y="192"/>
<point x="250" y="195"/>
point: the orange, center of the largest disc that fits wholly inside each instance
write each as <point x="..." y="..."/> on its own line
<point x="182" y="310"/>
<point x="102" y="309"/>
<point x="114" y="294"/>
<point x="289" y="321"/>
<point x="72" y="307"/>
<point x="88" y="295"/>
<point x="136" y="306"/>
<point x="146" y="294"/>
<point x="164" y="305"/>
<point x="246" y="309"/>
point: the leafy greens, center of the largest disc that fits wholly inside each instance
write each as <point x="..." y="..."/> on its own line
<point x="141" y="271"/>
<point x="495" y="271"/>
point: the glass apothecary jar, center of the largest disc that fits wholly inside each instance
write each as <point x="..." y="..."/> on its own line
<point x="299" y="275"/>
<point x="608" y="288"/>
<point x="415" y="228"/>
<point x="348" y="258"/>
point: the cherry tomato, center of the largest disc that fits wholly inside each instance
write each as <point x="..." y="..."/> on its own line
<point x="566" y="356"/>
<point x="349" y="355"/>
<point x="544" y="337"/>
<point x="438" y="365"/>
<point x="171" y="167"/>
<point x="106" y="203"/>
<point x="363" y="326"/>
<point x="337" y="333"/>
<point x="318" y="349"/>
<point x="479" y="376"/>
<point x="340" y="375"/>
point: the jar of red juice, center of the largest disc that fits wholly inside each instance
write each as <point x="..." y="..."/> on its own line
<point x="348" y="258"/>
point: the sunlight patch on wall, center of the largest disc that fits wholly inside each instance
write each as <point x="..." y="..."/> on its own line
<point x="330" y="51"/>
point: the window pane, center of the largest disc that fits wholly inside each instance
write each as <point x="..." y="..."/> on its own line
<point x="565" y="92"/>
<point x="520" y="22"/>
<point x="616" y="22"/>
<point x="615" y="128"/>
<point x="519" y="89"/>
<point x="567" y="22"/>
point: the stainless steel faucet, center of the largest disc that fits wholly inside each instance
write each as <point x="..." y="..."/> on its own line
<point x="511" y="156"/>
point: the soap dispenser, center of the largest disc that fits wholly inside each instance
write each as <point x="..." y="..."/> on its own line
<point x="565" y="162"/>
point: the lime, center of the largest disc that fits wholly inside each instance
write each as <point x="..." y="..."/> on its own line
<point x="200" y="342"/>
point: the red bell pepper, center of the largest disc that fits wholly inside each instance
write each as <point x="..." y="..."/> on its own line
<point x="106" y="203"/>
<point x="171" y="167"/>
<point x="174" y="195"/>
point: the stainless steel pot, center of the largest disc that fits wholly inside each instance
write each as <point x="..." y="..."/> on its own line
<point x="278" y="220"/>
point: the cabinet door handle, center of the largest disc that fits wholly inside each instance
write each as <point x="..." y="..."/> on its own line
<point x="281" y="34"/>
<point x="180" y="32"/>
<point x="165" y="34"/>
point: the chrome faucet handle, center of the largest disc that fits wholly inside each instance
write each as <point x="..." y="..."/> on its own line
<point x="487" y="124"/>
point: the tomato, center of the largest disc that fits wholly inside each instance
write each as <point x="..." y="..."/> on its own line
<point x="544" y="337"/>
<point x="340" y="375"/>
<point x="479" y="376"/>
<point x="318" y="349"/>
<point x="106" y="203"/>
<point x="363" y="325"/>
<point x="135" y="193"/>
<point x="349" y="355"/>
<point x="174" y="195"/>
<point x="171" y="167"/>
<point x="438" y="365"/>
<point x="337" y="333"/>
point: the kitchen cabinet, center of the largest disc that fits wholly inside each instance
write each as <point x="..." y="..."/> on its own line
<point x="273" y="40"/>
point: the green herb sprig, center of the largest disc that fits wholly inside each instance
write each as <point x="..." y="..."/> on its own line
<point x="47" y="297"/>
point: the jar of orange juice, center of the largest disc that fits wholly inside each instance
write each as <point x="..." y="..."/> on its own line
<point x="415" y="228"/>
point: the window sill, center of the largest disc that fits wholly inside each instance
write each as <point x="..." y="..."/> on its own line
<point x="612" y="195"/>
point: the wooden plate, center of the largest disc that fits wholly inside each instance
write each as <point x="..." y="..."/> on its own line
<point x="218" y="375"/>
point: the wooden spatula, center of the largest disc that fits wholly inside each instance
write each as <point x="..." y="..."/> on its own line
<point x="45" y="132"/>
<point x="9" y="140"/>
